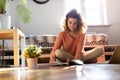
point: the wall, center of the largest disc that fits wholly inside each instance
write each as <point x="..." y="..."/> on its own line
<point x="113" y="11"/>
<point x="46" y="19"/>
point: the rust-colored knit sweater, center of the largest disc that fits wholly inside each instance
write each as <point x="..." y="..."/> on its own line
<point x="72" y="45"/>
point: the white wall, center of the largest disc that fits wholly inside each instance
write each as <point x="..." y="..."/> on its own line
<point x="113" y="7"/>
<point x="46" y="19"/>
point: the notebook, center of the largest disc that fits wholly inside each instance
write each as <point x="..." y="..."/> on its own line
<point x="115" y="58"/>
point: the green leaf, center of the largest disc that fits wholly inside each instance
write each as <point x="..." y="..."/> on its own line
<point x="24" y="1"/>
<point x="24" y="13"/>
<point x="32" y="51"/>
<point x="3" y="4"/>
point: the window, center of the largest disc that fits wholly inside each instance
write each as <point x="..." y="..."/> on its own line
<point x="93" y="10"/>
<point x="72" y="4"/>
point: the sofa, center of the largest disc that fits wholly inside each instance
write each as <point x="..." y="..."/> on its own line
<point x="48" y="40"/>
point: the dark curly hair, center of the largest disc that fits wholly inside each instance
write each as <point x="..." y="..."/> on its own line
<point x="81" y="27"/>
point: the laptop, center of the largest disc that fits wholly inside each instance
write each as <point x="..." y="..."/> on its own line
<point x="115" y="58"/>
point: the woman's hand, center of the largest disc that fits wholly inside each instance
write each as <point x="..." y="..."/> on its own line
<point x="52" y="61"/>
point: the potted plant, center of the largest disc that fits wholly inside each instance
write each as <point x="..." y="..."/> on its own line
<point x="31" y="53"/>
<point x="23" y="12"/>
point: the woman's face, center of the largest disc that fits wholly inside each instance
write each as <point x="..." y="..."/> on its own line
<point x="72" y="24"/>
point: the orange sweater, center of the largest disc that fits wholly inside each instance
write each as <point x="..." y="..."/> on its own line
<point x="69" y="44"/>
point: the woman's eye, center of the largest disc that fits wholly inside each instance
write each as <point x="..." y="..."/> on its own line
<point x="75" y="23"/>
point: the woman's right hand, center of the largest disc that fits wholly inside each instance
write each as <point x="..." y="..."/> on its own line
<point x="52" y="61"/>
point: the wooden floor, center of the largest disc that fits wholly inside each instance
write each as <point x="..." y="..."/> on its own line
<point x="48" y="72"/>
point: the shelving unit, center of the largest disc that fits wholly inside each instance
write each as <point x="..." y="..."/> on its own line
<point x="8" y="58"/>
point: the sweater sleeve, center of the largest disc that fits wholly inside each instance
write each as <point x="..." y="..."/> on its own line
<point x="80" y="47"/>
<point x="57" y="45"/>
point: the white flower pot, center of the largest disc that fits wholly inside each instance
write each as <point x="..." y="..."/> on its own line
<point x="5" y="21"/>
<point x="32" y="62"/>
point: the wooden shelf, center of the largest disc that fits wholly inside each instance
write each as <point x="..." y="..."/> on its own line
<point x="108" y="53"/>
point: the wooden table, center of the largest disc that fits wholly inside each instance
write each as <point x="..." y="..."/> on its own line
<point x="45" y="72"/>
<point x="16" y="35"/>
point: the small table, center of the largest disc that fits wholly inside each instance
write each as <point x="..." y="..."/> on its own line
<point x="16" y="35"/>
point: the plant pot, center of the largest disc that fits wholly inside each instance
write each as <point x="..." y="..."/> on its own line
<point x="32" y="62"/>
<point x="5" y="21"/>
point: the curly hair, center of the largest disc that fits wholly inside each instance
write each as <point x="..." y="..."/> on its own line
<point x="81" y="27"/>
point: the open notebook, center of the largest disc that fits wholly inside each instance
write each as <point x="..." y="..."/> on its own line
<point x="115" y="58"/>
<point x="69" y="63"/>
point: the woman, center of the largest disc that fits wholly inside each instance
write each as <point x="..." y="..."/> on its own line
<point x="70" y="42"/>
